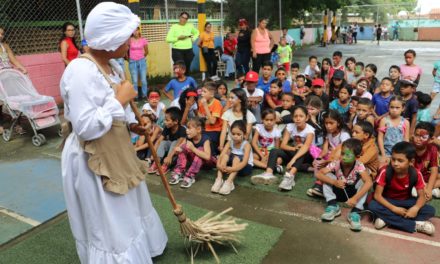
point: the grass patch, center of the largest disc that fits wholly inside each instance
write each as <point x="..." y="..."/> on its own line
<point x="56" y="245"/>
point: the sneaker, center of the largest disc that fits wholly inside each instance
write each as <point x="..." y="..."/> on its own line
<point x="152" y="169"/>
<point x="425" y="227"/>
<point x="414" y="192"/>
<point x="175" y="178"/>
<point x="165" y="169"/>
<point x="226" y="188"/>
<point x="355" y="221"/>
<point x="287" y="183"/>
<point x="217" y="185"/>
<point x="187" y="182"/>
<point x="436" y="193"/>
<point x="379" y="223"/>
<point x="331" y="212"/>
<point x="316" y="190"/>
<point x="279" y="169"/>
<point x="265" y="178"/>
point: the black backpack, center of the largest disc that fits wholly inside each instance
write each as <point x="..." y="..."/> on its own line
<point x="412" y="177"/>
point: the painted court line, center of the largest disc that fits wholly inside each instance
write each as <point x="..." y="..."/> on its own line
<point x="18" y="217"/>
<point x="364" y="229"/>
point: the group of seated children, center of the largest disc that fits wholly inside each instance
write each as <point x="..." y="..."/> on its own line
<point x="339" y="122"/>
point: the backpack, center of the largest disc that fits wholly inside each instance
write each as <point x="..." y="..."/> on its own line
<point x="412" y="177"/>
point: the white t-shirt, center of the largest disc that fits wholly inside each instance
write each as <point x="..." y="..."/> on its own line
<point x="334" y="141"/>
<point x="299" y="137"/>
<point x="267" y="139"/>
<point x="257" y="93"/>
<point x="311" y="72"/>
<point x="160" y="108"/>
<point x="366" y="94"/>
<point x="175" y="103"/>
<point x="229" y="117"/>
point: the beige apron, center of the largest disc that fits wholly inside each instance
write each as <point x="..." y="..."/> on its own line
<point x="112" y="156"/>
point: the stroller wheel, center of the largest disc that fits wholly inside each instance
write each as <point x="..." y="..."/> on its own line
<point x="38" y="140"/>
<point x="7" y="134"/>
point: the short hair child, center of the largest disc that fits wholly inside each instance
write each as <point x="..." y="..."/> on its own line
<point x="364" y="131"/>
<point x="273" y="97"/>
<point x="351" y="188"/>
<point x="364" y="111"/>
<point x="154" y="105"/>
<point x="180" y="82"/>
<point x="172" y="136"/>
<point x="195" y="153"/>
<point x="426" y="160"/>
<point x="424" y="114"/>
<point x="236" y="159"/>
<point x="396" y="207"/>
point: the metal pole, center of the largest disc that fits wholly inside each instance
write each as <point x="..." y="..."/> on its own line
<point x="221" y="21"/>
<point x="256" y="13"/>
<point x="80" y="23"/>
<point x="377" y="15"/>
<point x="166" y="15"/>
<point x="279" y="4"/>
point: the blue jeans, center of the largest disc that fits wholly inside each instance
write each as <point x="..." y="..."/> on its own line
<point x="121" y="63"/>
<point x="230" y="64"/>
<point x="139" y="68"/>
<point x="397" y="221"/>
<point x="242" y="61"/>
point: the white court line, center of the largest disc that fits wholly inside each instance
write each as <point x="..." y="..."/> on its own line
<point x="21" y="218"/>
<point x="364" y="229"/>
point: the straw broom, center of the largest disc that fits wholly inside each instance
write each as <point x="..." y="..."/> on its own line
<point x="206" y="230"/>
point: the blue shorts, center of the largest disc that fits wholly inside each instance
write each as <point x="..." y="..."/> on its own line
<point x="246" y="171"/>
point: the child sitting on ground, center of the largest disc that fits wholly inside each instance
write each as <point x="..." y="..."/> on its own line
<point x="318" y="86"/>
<point x="423" y="113"/>
<point x="254" y="95"/>
<point x="180" y="83"/>
<point x="266" y="137"/>
<point x="281" y="75"/>
<point x="238" y="111"/>
<point x="316" y="119"/>
<point x="222" y="94"/>
<point x="335" y="84"/>
<point x="393" y="128"/>
<point x="272" y="99"/>
<point x="284" y="112"/>
<point x="172" y="136"/>
<point x="352" y="111"/>
<point x="426" y="160"/>
<point x="195" y="153"/>
<point x="297" y="153"/>
<point x="154" y="130"/>
<point x="239" y="81"/>
<point x="301" y="91"/>
<point x="381" y="101"/>
<point x="346" y="180"/>
<point x="370" y="73"/>
<point x="312" y="70"/>
<point x="266" y="78"/>
<point x="342" y="104"/>
<point x="364" y="111"/>
<point x="210" y="109"/>
<point x="393" y="204"/>
<point x="154" y="106"/>
<point x="236" y="159"/>
<point x="361" y="90"/>
<point x="411" y="105"/>
<point x="364" y="131"/>
<point x="394" y="74"/>
<point x="187" y="103"/>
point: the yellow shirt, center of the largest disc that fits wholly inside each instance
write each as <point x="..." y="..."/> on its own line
<point x="207" y="39"/>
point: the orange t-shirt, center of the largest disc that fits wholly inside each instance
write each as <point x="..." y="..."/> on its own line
<point x="216" y="109"/>
<point x="207" y="39"/>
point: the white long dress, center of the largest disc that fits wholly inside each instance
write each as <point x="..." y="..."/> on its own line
<point x="107" y="228"/>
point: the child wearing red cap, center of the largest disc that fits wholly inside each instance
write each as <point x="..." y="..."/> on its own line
<point x="254" y="94"/>
<point x="317" y="89"/>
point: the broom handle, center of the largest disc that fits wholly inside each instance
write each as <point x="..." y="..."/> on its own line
<point x="156" y="158"/>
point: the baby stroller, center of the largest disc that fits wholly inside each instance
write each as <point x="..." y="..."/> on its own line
<point x="21" y="99"/>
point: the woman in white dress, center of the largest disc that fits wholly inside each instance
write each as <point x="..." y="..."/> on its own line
<point x="107" y="227"/>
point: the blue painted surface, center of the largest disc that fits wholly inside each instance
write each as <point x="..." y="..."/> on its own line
<point x="32" y="188"/>
<point x="195" y="64"/>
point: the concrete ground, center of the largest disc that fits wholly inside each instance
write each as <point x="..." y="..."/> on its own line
<point x="31" y="191"/>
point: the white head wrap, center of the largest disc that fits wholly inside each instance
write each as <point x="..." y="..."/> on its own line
<point x="109" y="25"/>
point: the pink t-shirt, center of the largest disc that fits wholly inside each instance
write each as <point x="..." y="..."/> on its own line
<point x="137" y="48"/>
<point x="410" y="72"/>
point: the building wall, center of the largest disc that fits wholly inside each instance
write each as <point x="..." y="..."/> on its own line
<point x="429" y="34"/>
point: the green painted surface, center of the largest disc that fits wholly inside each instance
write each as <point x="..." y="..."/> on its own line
<point x="11" y="227"/>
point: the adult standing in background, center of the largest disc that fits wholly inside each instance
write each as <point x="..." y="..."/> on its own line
<point x="206" y="43"/>
<point x="354" y="33"/>
<point x="396" y="27"/>
<point x="110" y="212"/>
<point x="243" y="55"/>
<point x="68" y="47"/>
<point x="138" y="61"/>
<point x="181" y="36"/>
<point x="262" y="44"/>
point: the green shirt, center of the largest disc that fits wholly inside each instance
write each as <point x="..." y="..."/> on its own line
<point x="285" y="53"/>
<point x="179" y="30"/>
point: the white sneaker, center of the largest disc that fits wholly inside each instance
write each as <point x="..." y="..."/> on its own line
<point x="217" y="185"/>
<point x="287" y="183"/>
<point x="226" y="188"/>
<point x="425" y="227"/>
<point x="265" y="178"/>
<point x="379" y="223"/>
<point x="436" y="193"/>
<point x="414" y="192"/>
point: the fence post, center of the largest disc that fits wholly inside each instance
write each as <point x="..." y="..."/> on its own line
<point x="80" y="24"/>
<point x="279" y="7"/>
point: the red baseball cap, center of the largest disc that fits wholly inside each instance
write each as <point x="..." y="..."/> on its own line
<point x="318" y="82"/>
<point x="251" y="76"/>
<point x="242" y="22"/>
